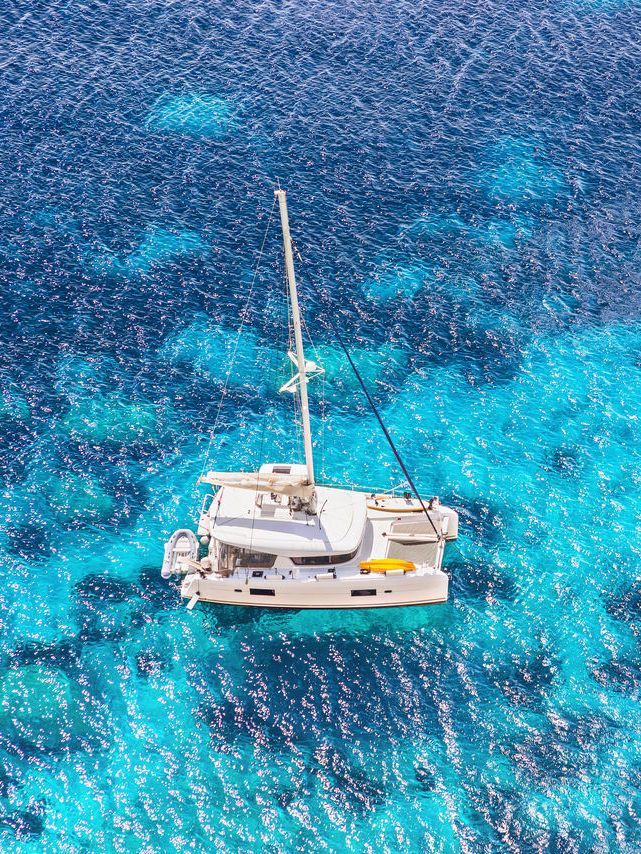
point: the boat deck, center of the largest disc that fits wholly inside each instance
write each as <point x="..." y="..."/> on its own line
<point x="291" y="582"/>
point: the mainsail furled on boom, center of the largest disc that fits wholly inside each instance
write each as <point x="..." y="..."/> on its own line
<point x="280" y="484"/>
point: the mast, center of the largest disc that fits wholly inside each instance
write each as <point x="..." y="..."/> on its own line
<point x="298" y="335"/>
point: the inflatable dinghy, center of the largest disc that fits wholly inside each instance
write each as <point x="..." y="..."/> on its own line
<point x="181" y="548"/>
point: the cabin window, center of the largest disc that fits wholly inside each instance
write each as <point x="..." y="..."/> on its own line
<point x="246" y="557"/>
<point x="231" y="557"/>
<point x="226" y="556"/>
<point x="262" y="591"/>
<point x="323" y="560"/>
<point x="363" y="592"/>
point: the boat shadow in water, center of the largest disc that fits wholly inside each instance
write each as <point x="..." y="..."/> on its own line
<point x="301" y="622"/>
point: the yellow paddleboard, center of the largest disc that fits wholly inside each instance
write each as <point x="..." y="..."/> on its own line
<point x="384" y="564"/>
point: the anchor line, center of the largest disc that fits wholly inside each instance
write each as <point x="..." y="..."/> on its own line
<point x="373" y="406"/>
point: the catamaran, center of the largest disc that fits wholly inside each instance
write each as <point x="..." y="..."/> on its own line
<point x="277" y="538"/>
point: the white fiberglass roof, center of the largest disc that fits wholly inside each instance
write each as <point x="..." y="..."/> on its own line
<point x="337" y="527"/>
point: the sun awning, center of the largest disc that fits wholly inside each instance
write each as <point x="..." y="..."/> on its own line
<point x="337" y="528"/>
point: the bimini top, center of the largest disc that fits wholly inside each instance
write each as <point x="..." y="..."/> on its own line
<point x="265" y="522"/>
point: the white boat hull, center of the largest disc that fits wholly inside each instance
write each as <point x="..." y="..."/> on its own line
<point x="358" y="550"/>
<point x="353" y="590"/>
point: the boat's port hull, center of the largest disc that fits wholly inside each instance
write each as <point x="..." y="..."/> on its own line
<point x="362" y="591"/>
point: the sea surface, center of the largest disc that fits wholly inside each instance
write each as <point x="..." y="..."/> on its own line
<point x="464" y="184"/>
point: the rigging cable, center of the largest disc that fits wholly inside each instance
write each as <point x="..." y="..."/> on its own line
<point x="243" y="318"/>
<point x="373" y="407"/>
<point x="260" y="458"/>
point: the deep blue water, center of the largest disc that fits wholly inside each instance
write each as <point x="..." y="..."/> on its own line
<point x="464" y="185"/>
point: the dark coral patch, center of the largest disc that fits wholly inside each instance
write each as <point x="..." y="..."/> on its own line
<point x="155" y="593"/>
<point x="524" y="681"/>
<point x="96" y="622"/>
<point x="627" y="607"/>
<point x="41" y="712"/>
<point x="7" y="780"/>
<point x="14" y="446"/>
<point x="479" y="579"/>
<point x="24" y="823"/>
<point x="103" y="588"/>
<point x="425" y="778"/>
<point x="229" y="721"/>
<point x="228" y="616"/>
<point x="29" y="543"/>
<point x="285" y="797"/>
<point x="226" y="720"/>
<point x="623" y="676"/>
<point x="486" y="522"/>
<point x="95" y="627"/>
<point x="565" y="752"/>
<point x="64" y="654"/>
<point x="566" y="461"/>
<point x="151" y="662"/>
<point x="350" y="787"/>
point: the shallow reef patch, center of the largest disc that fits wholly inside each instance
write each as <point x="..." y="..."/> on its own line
<point x="215" y="352"/>
<point x="518" y="170"/>
<point x="193" y="113"/>
<point x="110" y="418"/>
<point x="395" y="280"/>
<point x="382" y="368"/>
<point x="158" y="247"/>
<point x="40" y="710"/>
<point x="449" y="230"/>
<point x="77" y="499"/>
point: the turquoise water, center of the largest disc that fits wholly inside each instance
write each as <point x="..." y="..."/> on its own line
<point x="463" y="188"/>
